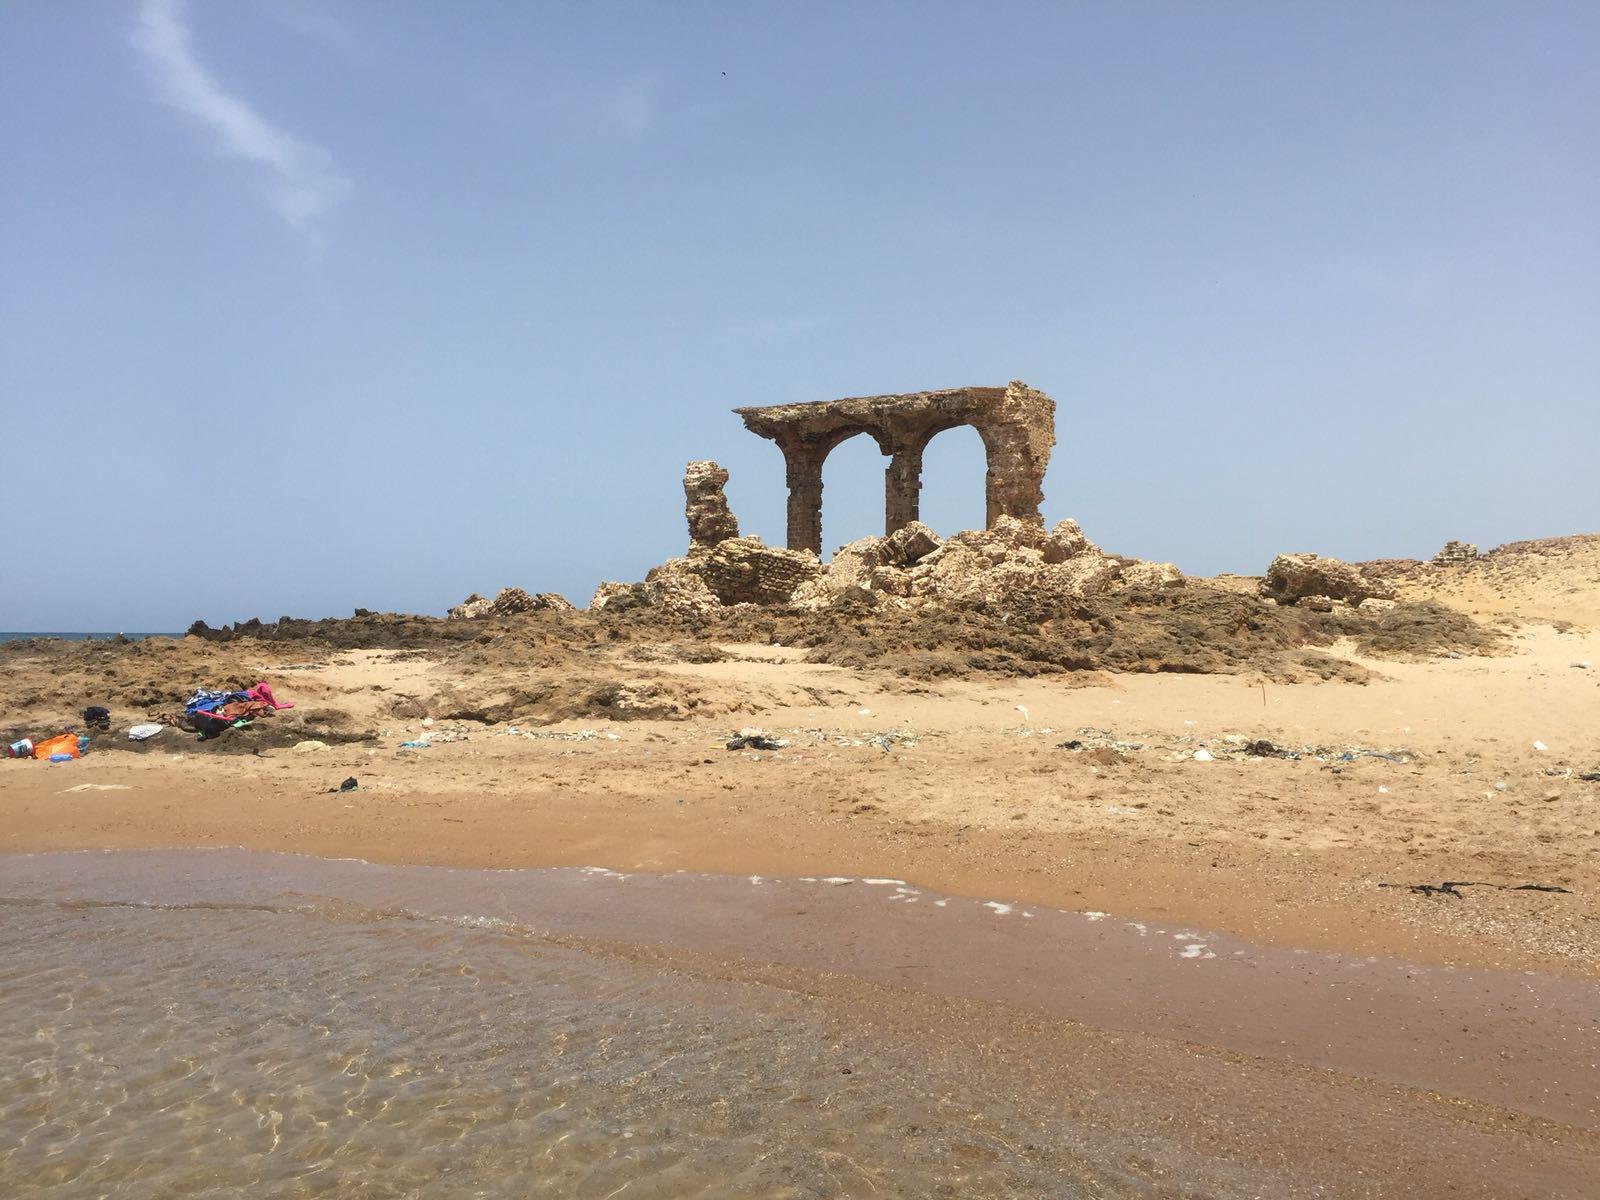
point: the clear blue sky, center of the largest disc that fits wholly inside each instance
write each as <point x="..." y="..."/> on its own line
<point x="309" y="305"/>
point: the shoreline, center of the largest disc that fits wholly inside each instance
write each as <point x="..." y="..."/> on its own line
<point x="1286" y="853"/>
<point x="1391" y="1022"/>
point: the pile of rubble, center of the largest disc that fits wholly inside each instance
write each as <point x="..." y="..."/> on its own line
<point x="1015" y="566"/>
<point x="509" y="602"/>
<point x="1312" y="582"/>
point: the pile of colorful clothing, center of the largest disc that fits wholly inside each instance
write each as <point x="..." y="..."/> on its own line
<point x="212" y="711"/>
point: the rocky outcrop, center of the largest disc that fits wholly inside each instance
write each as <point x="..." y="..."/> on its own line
<point x="509" y="602"/>
<point x="711" y="521"/>
<point x="1308" y="579"/>
<point x="473" y="606"/>
<point x="1455" y="552"/>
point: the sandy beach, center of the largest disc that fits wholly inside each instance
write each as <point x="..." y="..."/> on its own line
<point x="1290" y="806"/>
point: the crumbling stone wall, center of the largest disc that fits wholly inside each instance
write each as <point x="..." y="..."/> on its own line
<point x="1016" y="423"/>
<point x="706" y="506"/>
<point x="1455" y="552"/>
<point x="743" y="571"/>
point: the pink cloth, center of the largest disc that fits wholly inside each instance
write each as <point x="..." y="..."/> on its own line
<point x="263" y="693"/>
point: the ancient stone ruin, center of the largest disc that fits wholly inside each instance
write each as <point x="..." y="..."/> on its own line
<point x="1013" y="565"/>
<point x="706" y="506"/>
<point x="1455" y="552"/>
<point x="1016" y="423"/>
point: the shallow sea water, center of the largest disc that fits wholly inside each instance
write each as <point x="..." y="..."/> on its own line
<point x="223" y="1023"/>
<point x="326" y="1047"/>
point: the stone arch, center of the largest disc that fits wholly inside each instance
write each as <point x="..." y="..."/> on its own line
<point x="954" y="478"/>
<point x="849" y="473"/>
<point x="1016" y="423"/>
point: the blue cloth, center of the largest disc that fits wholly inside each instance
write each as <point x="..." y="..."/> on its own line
<point x="204" y="701"/>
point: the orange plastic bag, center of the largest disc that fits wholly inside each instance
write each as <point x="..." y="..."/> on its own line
<point x="62" y="743"/>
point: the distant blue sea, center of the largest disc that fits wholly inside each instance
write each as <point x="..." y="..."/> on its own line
<point x="16" y="636"/>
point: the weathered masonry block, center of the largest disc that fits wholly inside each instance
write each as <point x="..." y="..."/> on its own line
<point x="1016" y="423"/>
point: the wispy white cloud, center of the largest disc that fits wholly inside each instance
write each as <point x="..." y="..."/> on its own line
<point x="301" y="183"/>
<point x="310" y="19"/>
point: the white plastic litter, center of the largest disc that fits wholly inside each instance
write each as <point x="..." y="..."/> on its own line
<point x="140" y="732"/>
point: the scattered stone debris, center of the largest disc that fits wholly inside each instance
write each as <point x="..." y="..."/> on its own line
<point x="1314" y="582"/>
<point x="1455" y="552"/>
<point x="1451" y="887"/>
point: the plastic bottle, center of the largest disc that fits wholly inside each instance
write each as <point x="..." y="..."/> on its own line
<point x="61" y="758"/>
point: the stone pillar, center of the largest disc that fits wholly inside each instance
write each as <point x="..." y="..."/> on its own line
<point x="902" y="492"/>
<point x="706" y="506"/>
<point x="803" y="472"/>
<point x="1013" y="485"/>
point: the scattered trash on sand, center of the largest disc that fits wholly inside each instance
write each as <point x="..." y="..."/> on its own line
<point x="349" y="785"/>
<point x="63" y="747"/>
<point x="889" y="739"/>
<point x="885" y="740"/>
<point x="755" y="739"/>
<point x="1231" y="747"/>
<point x="98" y="787"/>
<point x="1451" y="887"/>
<point x="564" y="735"/>
<point x="140" y="733"/>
